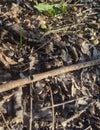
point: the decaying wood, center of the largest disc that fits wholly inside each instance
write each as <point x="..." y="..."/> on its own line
<point x="37" y="77"/>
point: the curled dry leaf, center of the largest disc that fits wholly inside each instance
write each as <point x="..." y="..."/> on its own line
<point x="6" y="61"/>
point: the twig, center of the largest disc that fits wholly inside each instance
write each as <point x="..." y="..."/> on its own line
<point x="43" y="45"/>
<point x="31" y="107"/>
<point x="5" y="121"/>
<point x="64" y="123"/>
<point x="53" y="114"/>
<point x="88" y="128"/>
<point x="61" y="104"/>
<point x="6" y="98"/>
<point x="52" y="73"/>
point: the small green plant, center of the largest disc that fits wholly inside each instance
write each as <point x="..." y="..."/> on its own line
<point x="21" y="38"/>
<point x="50" y="9"/>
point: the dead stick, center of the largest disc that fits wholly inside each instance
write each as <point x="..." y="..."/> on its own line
<point x="36" y="77"/>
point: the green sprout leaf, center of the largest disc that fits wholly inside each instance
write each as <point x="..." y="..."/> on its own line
<point x="21" y="39"/>
<point x="50" y="9"/>
<point x="42" y="7"/>
<point x="63" y="9"/>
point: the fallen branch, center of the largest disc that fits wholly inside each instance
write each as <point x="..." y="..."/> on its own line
<point x="36" y="77"/>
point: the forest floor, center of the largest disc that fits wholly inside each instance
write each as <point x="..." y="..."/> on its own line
<point x="49" y="65"/>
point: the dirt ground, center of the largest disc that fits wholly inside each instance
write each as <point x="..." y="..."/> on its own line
<point x="50" y="65"/>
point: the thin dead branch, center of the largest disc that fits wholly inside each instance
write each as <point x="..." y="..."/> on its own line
<point x="52" y="73"/>
<point x="53" y="113"/>
<point x="63" y="103"/>
<point x="76" y="115"/>
<point x="6" y="124"/>
<point x="88" y="128"/>
<point x="31" y="107"/>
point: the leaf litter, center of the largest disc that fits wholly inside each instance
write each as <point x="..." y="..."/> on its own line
<point x="69" y="101"/>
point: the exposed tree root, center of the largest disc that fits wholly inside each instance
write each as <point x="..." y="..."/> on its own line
<point x="36" y="77"/>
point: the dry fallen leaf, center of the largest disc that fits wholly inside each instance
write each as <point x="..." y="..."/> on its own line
<point x="15" y="10"/>
<point x="6" y="61"/>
